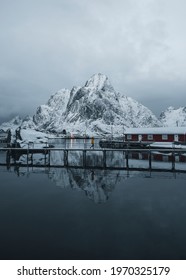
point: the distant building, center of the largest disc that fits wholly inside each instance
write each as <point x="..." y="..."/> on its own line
<point x="156" y="134"/>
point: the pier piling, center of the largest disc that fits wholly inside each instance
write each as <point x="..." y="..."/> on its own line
<point x="150" y="160"/>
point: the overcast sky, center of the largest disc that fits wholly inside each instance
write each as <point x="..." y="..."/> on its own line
<point x="46" y="45"/>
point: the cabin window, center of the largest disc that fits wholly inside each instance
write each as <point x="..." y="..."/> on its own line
<point x="164" y="137"/>
<point x="129" y="137"/>
<point x="150" y="136"/>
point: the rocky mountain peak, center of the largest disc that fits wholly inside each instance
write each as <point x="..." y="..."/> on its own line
<point x="99" y="82"/>
<point x="92" y="109"/>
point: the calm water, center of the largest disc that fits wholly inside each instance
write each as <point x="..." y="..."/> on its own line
<point x="81" y="214"/>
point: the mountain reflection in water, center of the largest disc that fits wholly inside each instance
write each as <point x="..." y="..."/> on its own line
<point x="96" y="184"/>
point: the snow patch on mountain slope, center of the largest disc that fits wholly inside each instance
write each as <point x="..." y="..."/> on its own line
<point x="174" y="117"/>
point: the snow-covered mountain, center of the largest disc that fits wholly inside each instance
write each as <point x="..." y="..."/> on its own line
<point x="26" y="122"/>
<point x="97" y="186"/>
<point x="94" y="108"/>
<point x="173" y="117"/>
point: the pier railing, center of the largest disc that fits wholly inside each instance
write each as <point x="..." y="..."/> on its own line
<point x="136" y="159"/>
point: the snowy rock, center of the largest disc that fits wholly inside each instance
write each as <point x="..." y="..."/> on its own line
<point x="28" y="122"/>
<point x="50" y="116"/>
<point x="173" y="117"/>
<point x="99" y="82"/>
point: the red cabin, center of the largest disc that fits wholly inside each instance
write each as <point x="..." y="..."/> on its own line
<point x="156" y="134"/>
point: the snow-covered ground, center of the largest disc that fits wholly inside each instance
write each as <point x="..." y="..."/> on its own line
<point x="37" y="137"/>
<point x="28" y="135"/>
<point x="167" y="145"/>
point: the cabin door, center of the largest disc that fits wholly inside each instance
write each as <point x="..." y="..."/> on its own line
<point x="176" y="138"/>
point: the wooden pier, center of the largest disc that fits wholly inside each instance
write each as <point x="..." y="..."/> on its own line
<point x="95" y="158"/>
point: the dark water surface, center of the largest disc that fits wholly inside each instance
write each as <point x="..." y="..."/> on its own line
<point x="81" y="214"/>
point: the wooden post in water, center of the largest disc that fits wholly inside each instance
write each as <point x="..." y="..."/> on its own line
<point x="32" y="158"/>
<point x="127" y="158"/>
<point x="104" y="159"/>
<point x="150" y="160"/>
<point x="8" y="158"/>
<point x="65" y="158"/>
<point x="84" y="158"/>
<point x="173" y="161"/>
<point x="27" y="155"/>
<point x="49" y="157"/>
<point x="45" y="156"/>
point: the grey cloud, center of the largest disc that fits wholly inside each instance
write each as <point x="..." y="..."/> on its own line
<point x="47" y="45"/>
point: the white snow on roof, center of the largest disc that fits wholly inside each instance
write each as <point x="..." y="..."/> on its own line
<point x="156" y="130"/>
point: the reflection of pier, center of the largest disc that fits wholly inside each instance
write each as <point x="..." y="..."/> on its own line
<point x="99" y="158"/>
